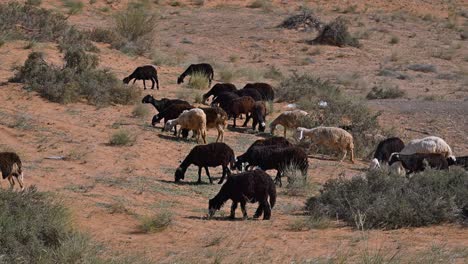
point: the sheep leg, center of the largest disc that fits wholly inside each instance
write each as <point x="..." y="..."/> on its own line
<point x="259" y="211"/>
<point x="219" y="133"/>
<point x="144" y="83"/>
<point x="234" y="125"/>
<point x="344" y="156"/>
<point x="208" y="173"/>
<point x="233" y="210"/>
<point x="157" y="82"/>
<point x="247" y="119"/>
<point x="12" y="182"/>
<point x="351" y="158"/>
<point x="199" y="174"/>
<point x="278" y="179"/>
<point x="284" y="132"/>
<point x="20" y="181"/>
<point x="203" y="134"/>
<point x="244" y="211"/>
<point x="267" y="210"/>
<point x="152" y="83"/>
<point x="225" y="170"/>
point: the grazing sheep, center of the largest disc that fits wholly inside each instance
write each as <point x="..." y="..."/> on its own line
<point x="204" y="156"/>
<point x="218" y="89"/>
<point x="384" y="150"/>
<point x="216" y="118"/>
<point x="332" y="137"/>
<point x="252" y="186"/>
<point x="241" y="105"/>
<point x="223" y="100"/>
<point x="162" y="104"/>
<point x="171" y="112"/>
<point x="273" y="157"/>
<point x="256" y="95"/>
<point x="459" y="161"/>
<point x="258" y="115"/>
<point x="278" y="142"/>
<point x="193" y="119"/>
<point x="419" y="161"/>
<point x="147" y="72"/>
<point x="428" y="145"/>
<point x="11" y="165"/>
<point x="266" y="90"/>
<point x="288" y="119"/>
<point x="202" y="68"/>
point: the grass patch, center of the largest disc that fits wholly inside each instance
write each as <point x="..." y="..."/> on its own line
<point x="79" y="79"/>
<point x="264" y="4"/>
<point x="297" y="183"/>
<point x="273" y="73"/>
<point x="308" y="223"/>
<point x="156" y="223"/>
<point x="122" y="138"/>
<point x="162" y="58"/>
<point x="385" y="93"/>
<point x="197" y="81"/>
<point x="382" y="200"/>
<point x="140" y="111"/>
<point x="74" y="6"/>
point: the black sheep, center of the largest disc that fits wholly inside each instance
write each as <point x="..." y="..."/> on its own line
<point x="258" y="115"/>
<point x="163" y="103"/>
<point x="10" y="165"/>
<point x="266" y="90"/>
<point x="384" y="150"/>
<point x="256" y="95"/>
<point x="218" y="89"/>
<point x="252" y="186"/>
<point x="419" y="161"/>
<point x="273" y="141"/>
<point x="459" y="161"/>
<point x="272" y="157"/>
<point x="209" y="155"/>
<point x="223" y="100"/>
<point x="147" y="72"/>
<point x="202" y="68"/>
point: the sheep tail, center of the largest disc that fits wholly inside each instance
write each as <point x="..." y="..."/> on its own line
<point x="272" y="194"/>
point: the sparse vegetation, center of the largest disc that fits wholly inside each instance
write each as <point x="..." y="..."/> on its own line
<point x="197" y="81"/>
<point x="264" y="4"/>
<point x="308" y="222"/>
<point x="422" y="67"/>
<point x="336" y="34"/>
<point x="305" y="20"/>
<point x="382" y="200"/>
<point x="74" y="6"/>
<point x="122" y="138"/>
<point x="394" y="40"/>
<point x="385" y="93"/>
<point x="157" y="222"/>
<point x="140" y="111"/>
<point x="78" y="79"/>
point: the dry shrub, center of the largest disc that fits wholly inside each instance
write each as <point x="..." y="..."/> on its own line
<point x="157" y="222"/>
<point x="305" y="20"/>
<point x="385" y="93"/>
<point x="336" y="34"/>
<point x="78" y="79"/>
<point x="198" y="81"/>
<point x="382" y="200"/>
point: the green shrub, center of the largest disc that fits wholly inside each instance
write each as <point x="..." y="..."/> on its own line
<point x="385" y="93"/>
<point x="28" y="22"/>
<point x="198" y="81"/>
<point x="35" y="226"/>
<point x="382" y="200"/>
<point x="74" y="6"/>
<point x="307" y="91"/>
<point x="105" y="36"/>
<point x="122" y="138"/>
<point x="157" y="222"/>
<point x="78" y="79"/>
<point x="136" y="26"/>
<point x="336" y="34"/>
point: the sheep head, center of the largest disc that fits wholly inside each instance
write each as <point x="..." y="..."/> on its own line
<point x="126" y="80"/>
<point x="169" y="125"/>
<point x="179" y="174"/>
<point x="180" y="79"/>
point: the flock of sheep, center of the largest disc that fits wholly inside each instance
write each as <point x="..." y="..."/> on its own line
<point x="274" y="153"/>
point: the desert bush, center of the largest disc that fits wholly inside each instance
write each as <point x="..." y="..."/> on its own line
<point x="35" y="226"/>
<point x="136" y="26"/>
<point x="385" y="93"/>
<point x="28" y="22"/>
<point x="297" y="184"/>
<point x="197" y="81"/>
<point x="273" y="73"/>
<point x="308" y="223"/>
<point x="140" y="111"/>
<point x="74" y="6"/>
<point x="226" y="74"/>
<point x="307" y="91"/>
<point x="122" y="138"/>
<point x="265" y="4"/>
<point x="105" y="36"/>
<point x="157" y="222"/>
<point x="78" y="79"/>
<point x="336" y="34"/>
<point x="305" y="20"/>
<point x="380" y="199"/>
<point x="422" y="67"/>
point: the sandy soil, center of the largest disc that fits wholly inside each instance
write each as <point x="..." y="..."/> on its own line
<point x="110" y="188"/>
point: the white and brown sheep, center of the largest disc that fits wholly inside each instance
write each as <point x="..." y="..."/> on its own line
<point x="288" y="119"/>
<point x="331" y="137"/>
<point x="193" y="119"/>
<point x="11" y="166"/>
<point x="430" y="144"/>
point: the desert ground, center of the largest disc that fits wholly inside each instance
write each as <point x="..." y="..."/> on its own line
<point x="108" y="189"/>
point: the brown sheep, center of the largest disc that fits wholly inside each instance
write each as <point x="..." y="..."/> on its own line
<point x="241" y="105"/>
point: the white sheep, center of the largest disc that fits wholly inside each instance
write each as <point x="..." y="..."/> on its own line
<point x="331" y="137"/>
<point x="193" y="119"/>
<point x="428" y="145"/>
<point x="288" y="119"/>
